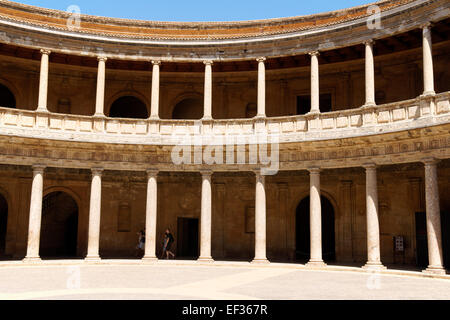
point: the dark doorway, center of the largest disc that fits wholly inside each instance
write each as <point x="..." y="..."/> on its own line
<point x="421" y="240"/>
<point x="3" y="224"/>
<point x="128" y="107"/>
<point x="59" y="232"/>
<point x="304" y="103"/>
<point x="188" y="109"/>
<point x="7" y="99"/>
<point x="187" y="242"/>
<point x="445" y="222"/>
<point x="303" y="251"/>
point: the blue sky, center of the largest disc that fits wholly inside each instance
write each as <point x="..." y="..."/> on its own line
<point x="198" y="10"/>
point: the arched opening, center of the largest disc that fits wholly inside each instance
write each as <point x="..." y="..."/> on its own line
<point x="188" y="109"/>
<point x="128" y="107"/>
<point x="303" y="250"/>
<point x="59" y="231"/>
<point x="3" y="224"/>
<point x="7" y="99"/>
<point x="251" y="110"/>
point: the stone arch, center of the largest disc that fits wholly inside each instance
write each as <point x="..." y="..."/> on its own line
<point x="330" y="213"/>
<point x="60" y="220"/>
<point x="8" y="98"/>
<point x="138" y="110"/>
<point x="4" y="212"/>
<point x="188" y="106"/>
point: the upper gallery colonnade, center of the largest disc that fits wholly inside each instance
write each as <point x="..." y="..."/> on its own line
<point x="370" y="85"/>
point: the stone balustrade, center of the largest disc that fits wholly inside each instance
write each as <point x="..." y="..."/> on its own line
<point x="405" y="115"/>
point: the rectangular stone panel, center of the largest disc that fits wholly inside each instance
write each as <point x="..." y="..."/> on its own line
<point x="112" y="127"/>
<point x="127" y="128"/>
<point x="399" y="114"/>
<point x="287" y="126"/>
<point x="27" y="121"/>
<point x="141" y="128"/>
<point x="328" y="123"/>
<point x="85" y="125"/>
<point x="414" y="112"/>
<point x="443" y="107"/>
<point x="11" y="119"/>
<point x="383" y="117"/>
<point x="342" y="122"/>
<point x="56" y="123"/>
<point x="70" y="124"/>
<point x="356" y="120"/>
<point x="301" y="125"/>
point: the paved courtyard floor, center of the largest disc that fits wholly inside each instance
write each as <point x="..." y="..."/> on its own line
<point x="191" y="281"/>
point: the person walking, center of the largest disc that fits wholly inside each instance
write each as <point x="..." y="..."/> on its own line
<point x="167" y="245"/>
<point x="141" y="243"/>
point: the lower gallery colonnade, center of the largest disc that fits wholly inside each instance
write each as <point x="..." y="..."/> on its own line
<point x="433" y="219"/>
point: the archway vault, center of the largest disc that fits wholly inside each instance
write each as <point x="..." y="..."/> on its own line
<point x="302" y="229"/>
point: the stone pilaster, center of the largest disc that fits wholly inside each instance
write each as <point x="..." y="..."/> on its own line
<point x="373" y="224"/>
<point x="95" y="215"/>
<point x="434" y="231"/>
<point x="205" y="223"/>
<point x="100" y="98"/>
<point x="154" y="112"/>
<point x="261" y="88"/>
<point x="151" y="216"/>
<point x="260" y="220"/>
<point x="43" y="81"/>
<point x="315" y="91"/>
<point x="34" y="227"/>
<point x="315" y="219"/>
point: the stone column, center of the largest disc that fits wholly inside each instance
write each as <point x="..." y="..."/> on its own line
<point x="100" y="100"/>
<point x="428" y="73"/>
<point x="434" y="230"/>
<point x="205" y="223"/>
<point x="260" y="220"/>
<point x="94" y="215"/>
<point x="43" y="81"/>
<point x="370" y="75"/>
<point x="154" y="113"/>
<point x="261" y="88"/>
<point x="207" y="114"/>
<point x="151" y="216"/>
<point x="373" y="224"/>
<point x="315" y="95"/>
<point x="315" y="219"/>
<point x="34" y="227"/>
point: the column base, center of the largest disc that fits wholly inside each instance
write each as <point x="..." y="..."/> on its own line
<point x="427" y="94"/>
<point x="316" y="264"/>
<point x="369" y="105"/>
<point x="371" y="266"/>
<point x="260" y="116"/>
<point x="150" y="259"/>
<point x="260" y="261"/>
<point x="93" y="259"/>
<point x="205" y="260"/>
<point x="313" y="113"/>
<point x="435" y="271"/>
<point x="31" y="260"/>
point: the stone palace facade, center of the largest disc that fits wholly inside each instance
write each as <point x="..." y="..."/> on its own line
<point x="354" y="107"/>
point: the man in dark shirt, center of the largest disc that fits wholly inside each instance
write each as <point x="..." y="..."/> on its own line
<point x="168" y="241"/>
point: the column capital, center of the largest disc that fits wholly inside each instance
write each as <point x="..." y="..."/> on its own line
<point x="97" y="171"/>
<point x="369" y="42"/>
<point x="314" y="53"/>
<point x="370" y="166"/>
<point x="430" y="161"/>
<point x="45" y="51"/>
<point x="152" y="173"/>
<point x="102" y="58"/>
<point x="426" y="25"/>
<point x="206" y="173"/>
<point x="38" y="168"/>
<point x="261" y="59"/>
<point x="314" y="170"/>
<point x="156" y="62"/>
<point x="208" y="62"/>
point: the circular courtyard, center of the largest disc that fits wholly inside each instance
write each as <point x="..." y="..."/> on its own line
<point x="193" y="281"/>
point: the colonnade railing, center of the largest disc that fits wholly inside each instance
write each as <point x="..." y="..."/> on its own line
<point x="405" y="115"/>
